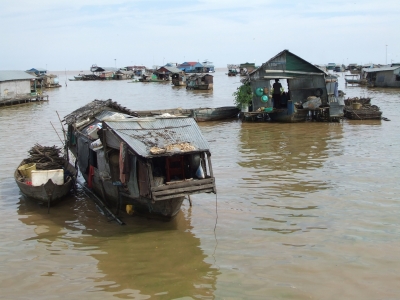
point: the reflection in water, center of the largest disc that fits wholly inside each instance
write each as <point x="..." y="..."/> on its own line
<point x="143" y="258"/>
<point x="279" y="163"/>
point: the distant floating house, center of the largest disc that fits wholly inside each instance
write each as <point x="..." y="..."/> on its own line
<point x="388" y="76"/>
<point x="330" y="66"/>
<point x="37" y="71"/>
<point x="191" y="67"/>
<point x="17" y="85"/>
<point x="208" y="66"/>
<point x="123" y="75"/>
<point x="246" y="68"/>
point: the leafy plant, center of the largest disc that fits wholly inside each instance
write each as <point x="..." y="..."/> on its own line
<point x="243" y="95"/>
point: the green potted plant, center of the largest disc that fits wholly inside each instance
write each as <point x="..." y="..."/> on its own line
<point x="243" y="97"/>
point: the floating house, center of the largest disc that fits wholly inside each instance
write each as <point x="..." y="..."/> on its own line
<point x="37" y="71"/>
<point x="165" y="72"/>
<point x="191" y="67"/>
<point x="200" y="82"/>
<point x="17" y="86"/>
<point x="246" y="68"/>
<point x="330" y="66"/>
<point x="146" y="165"/>
<point x="388" y="76"/>
<point x="305" y="89"/>
<point x="208" y="67"/>
<point x="123" y="75"/>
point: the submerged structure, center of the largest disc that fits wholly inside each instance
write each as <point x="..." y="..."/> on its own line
<point x="146" y="164"/>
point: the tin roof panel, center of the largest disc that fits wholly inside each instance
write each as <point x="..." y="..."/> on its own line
<point x="142" y="134"/>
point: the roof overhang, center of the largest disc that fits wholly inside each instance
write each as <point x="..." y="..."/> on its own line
<point x="294" y="72"/>
<point x="278" y="77"/>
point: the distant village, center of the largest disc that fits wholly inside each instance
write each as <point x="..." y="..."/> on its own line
<point x="313" y="88"/>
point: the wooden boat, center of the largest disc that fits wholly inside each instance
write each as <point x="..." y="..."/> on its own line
<point x="148" y="165"/>
<point x="49" y="192"/>
<point x="201" y="114"/>
<point x="215" y="114"/>
<point x="232" y="72"/>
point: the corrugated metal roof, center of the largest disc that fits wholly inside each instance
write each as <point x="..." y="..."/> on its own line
<point x="368" y="70"/>
<point x="15" y="75"/>
<point x="142" y="134"/>
<point x="173" y="69"/>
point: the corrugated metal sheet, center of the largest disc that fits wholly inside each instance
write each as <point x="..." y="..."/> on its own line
<point x="142" y="134"/>
<point x="369" y="70"/>
<point x="15" y="75"/>
<point x="173" y="69"/>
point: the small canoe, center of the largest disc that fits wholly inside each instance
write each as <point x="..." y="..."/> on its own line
<point x="49" y="192"/>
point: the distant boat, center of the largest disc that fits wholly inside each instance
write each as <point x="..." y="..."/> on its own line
<point x="208" y="66"/>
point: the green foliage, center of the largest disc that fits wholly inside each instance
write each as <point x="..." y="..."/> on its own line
<point x="243" y="95"/>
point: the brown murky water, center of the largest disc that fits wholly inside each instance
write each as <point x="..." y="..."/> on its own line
<point x="303" y="211"/>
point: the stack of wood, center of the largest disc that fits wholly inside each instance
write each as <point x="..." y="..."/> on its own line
<point x="46" y="158"/>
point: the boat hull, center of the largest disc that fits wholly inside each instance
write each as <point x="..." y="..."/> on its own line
<point x="215" y="114"/>
<point x="41" y="193"/>
<point x="199" y="114"/>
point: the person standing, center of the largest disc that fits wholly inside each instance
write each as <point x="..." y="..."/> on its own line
<point x="277" y="93"/>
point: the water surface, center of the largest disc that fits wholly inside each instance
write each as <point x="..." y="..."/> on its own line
<point x="302" y="211"/>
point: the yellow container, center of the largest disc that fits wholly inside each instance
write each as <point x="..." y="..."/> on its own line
<point x="26" y="170"/>
<point x="356" y="105"/>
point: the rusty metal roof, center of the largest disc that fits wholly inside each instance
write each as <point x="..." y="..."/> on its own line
<point x="141" y="134"/>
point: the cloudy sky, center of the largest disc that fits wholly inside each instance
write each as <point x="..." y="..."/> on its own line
<point x="74" y="34"/>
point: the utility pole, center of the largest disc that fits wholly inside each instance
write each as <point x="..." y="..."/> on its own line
<point x="386" y="54"/>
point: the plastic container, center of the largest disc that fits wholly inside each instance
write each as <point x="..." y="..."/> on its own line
<point x="357" y="105"/>
<point x="268" y="109"/>
<point x="42" y="176"/>
<point x="26" y="169"/>
<point x="259" y="91"/>
<point x="264" y="98"/>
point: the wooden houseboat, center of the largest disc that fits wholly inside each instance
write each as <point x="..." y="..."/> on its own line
<point x="387" y="76"/>
<point x="150" y="164"/>
<point x="200" y="82"/>
<point x="303" y="86"/>
<point x="179" y="79"/>
<point x="18" y="87"/>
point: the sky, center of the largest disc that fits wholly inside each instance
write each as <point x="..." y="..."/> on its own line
<point x="74" y="34"/>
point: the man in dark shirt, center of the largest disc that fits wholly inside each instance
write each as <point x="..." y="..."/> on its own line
<point x="277" y="93"/>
